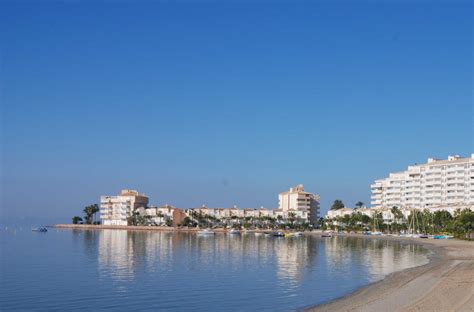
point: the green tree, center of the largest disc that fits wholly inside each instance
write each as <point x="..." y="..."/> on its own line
<point x="463" y="222"/>
<point x="338" y="204"/>
<point x="90" y="212"/>
<point x="76" y="219"/>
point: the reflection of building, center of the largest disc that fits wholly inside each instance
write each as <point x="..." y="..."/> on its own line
<point x="376" y="257"/>
<point x="436" y="184"/>
<point x="116" y="254"/>
<point x="293" y="258"/>
<point x="299" y="202"/>
<point x="114" y="210"/>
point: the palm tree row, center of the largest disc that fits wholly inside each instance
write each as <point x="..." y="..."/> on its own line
<point x="198" y="219"/>
<point x="461" y="224"/>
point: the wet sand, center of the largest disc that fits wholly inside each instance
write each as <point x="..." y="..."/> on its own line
<point x="446" y="283"/>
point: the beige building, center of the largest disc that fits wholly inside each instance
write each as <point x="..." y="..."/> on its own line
<point x="300" y="202"/>
<point x="438" y="183"/>
<point x="115" y="210"/>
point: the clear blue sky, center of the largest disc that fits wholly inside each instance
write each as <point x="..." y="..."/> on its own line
<point x="226" y="103"/>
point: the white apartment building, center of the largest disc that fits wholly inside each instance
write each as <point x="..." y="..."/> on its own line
<point x="298" y="201"/>
<point x="114" y="210"/>
<point x="438" y="184"/>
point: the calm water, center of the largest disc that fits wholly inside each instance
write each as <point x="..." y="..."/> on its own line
<point x="73" y="270"/>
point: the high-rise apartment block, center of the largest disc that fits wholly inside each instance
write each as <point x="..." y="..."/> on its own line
<point x="438" y="183"/>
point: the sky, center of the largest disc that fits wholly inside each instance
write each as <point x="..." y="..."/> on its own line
<point x="226" y="103"/>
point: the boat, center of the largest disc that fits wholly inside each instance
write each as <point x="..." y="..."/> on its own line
<point x="442" y="236"/>
<point x="234" y="231"/>
<point x="267" y="233"/>
<point x="423" y="236"/>
<point x="258" y="233"/>
<point x="40" y="229"/>
<point x="326" y="235"/>
<point x="278" y="234"/>
<point x="206" y="232"/>
<point x="297" y="234"/>
<point x="376" y="233"/>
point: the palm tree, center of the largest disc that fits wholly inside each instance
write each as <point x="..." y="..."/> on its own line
<point x="338" y="204"/>
<point x="160" y="215"/>
<point x="90" y="211"/>
<point x="359" y="204"/>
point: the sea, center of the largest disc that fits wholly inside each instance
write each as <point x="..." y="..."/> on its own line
<point x="120" y="270"/>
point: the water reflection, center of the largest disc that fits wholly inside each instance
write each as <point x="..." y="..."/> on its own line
<point x="379" y="257"/>
<point x="182" y="271"/>
<point x="121" y="254"/>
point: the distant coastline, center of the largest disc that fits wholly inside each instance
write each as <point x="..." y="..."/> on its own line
<point x="127" y="227"/>
<point x="145" y="228"/>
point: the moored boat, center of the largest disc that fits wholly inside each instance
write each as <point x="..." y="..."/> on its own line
<point x="40" y="229"/>
<point x="234" y="231"/>
<point x="326" y="235"/>
<point x="206" y="232"/>
<point x="376" y="233"/>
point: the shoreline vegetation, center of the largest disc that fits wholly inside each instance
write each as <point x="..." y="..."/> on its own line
<point x="444" y="284"/>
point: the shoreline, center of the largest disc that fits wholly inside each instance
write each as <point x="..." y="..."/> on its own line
<point x="144" y="228"/>
<point x="122" y="227"/>
<point x="445" y="283"/>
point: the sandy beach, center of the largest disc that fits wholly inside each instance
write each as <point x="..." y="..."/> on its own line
<point x="444" y="284"/>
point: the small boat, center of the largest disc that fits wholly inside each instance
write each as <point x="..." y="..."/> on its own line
<point x="206" y="232"/>
<point x="40" y="229"/>
<point x="278" y="234"/>
<point x="234" y="231"/>
<point x="326" y="235"/>
<point x="258" y="233"/>
<point x="376" y="233"/>
<point x="442" y="237"/>
<point x="297" y="234"/>
<point x="423" y="236"/>
<point x="267" y="233"/>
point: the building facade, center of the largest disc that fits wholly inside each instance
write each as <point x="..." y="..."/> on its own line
<point x="435" y="185"/>
<point x="115" y="210"/>
<point x="299" y="202"/>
